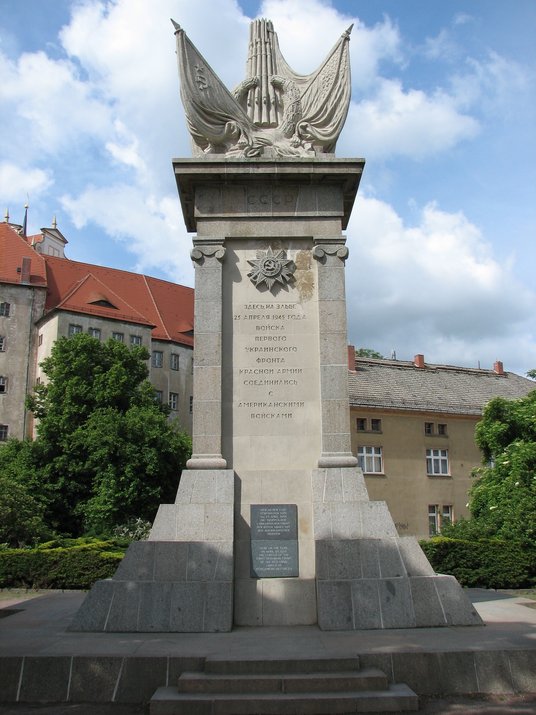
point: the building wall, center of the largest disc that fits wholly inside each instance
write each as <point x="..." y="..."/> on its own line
<point x="176" y="381"/>
<point x="404" y="483"/>
<point x="162" y="378"/>
<point x="18" y="358"/>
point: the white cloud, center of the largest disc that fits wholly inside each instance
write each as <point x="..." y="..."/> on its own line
<point x="307" y="37"/>
<point x="126" y="149"/>
<point x="441" y="46"/>
<point x="491" y="84"/>
<point x="150" y="226"/>
<point x="51" y="107"/>
<point x="16" y="182"/>
<point x="407" y="123"/>
<point x="433" y="287"/>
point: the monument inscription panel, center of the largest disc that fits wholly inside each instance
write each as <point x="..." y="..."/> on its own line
<point x="271" y="370"/>
<point x="274" y="540"/>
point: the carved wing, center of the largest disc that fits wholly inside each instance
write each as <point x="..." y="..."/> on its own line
<point x="214" y="117"/>
<point x="325" y="94"/>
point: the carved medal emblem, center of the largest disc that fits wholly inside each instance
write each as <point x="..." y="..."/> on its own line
<point x="271" y="268"/>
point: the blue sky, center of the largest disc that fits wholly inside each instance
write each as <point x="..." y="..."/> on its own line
<point x="442" y="237"/>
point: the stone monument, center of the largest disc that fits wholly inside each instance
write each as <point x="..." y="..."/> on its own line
<point x="272" y="523"/>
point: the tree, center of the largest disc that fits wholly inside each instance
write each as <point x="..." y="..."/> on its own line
<point x="503" y="500"/>
<point x="108" y="452"/>
<point x="21" y="510"/>
<point x="532" y="374"/>
<point x="368" y="353"/>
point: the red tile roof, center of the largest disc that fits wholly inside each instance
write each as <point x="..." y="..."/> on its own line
<point x="83" y="287"/>
<point x="13" y="248"/>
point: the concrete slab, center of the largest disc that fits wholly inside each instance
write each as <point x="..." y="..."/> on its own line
<point x="36" y="650"/>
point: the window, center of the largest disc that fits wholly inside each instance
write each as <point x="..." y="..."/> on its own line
<point x="362" y="425"/>
<point x="447" y="516"/>
<point x="3" y="432"/>
<point x="438" y="517"/>
<point x="120" y="337"/>
<point x="370" y="459"/>
<point x="94" y="332"/>
<point x="442" y="430"/>
<point x="437" y="462"/>
<point x="157" y="359"/>
<point x="428" y="428"/>
<point x="2" y="344"/>
<point x="433" y="519"/>
<point x="74" y="329"/>
<point x="5" y="309"/>
<point x="40" y="339"/>
<point x="174" y="361"/>
<point x="191" y="404"/>
<point x="135" y="339"/>
<point x="3" y="384"/>
<point x="158" y="396"/>
<point x="174" y="400"/>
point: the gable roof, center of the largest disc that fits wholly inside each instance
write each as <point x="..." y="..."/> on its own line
<point x="91" y="295"/>
<point x="13" y="248"/>
<point x="86" y="288"/>
<point x="397" y="384"/>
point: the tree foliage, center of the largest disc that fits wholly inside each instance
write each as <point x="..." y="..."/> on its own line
<point x="107" y="451"/>
<point x="21" y="508"/>
<point x="368" y="353"/>
<point x="503" y="499"/>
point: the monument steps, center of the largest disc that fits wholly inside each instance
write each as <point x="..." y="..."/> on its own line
<point x="296" y="687"/>
<point x="370" y="679"/>
<point x="281" y="665"/>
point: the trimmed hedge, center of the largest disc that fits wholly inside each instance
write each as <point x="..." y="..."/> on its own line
<point x="483" y="564"/>
<point x="75" y="566"/>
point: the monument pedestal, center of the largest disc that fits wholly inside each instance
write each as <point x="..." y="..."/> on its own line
<point x="271" y="430"/>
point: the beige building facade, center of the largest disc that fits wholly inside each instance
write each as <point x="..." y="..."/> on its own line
<point x="413" y="432"/>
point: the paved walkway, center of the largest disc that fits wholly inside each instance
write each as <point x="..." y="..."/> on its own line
<point x="38" y="627"/>
<point x="502" y="653"/>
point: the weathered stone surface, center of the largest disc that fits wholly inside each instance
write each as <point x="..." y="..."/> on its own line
<point x="426" y="603"/>
<point x="93" y="679"/>
<point x="93" y="613"/>
<point x="9" y="678"/>
<point x="139" y="679"/>
<point x="44" y="679"/>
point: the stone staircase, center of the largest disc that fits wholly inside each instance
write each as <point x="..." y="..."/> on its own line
<point x="323" y="686"/>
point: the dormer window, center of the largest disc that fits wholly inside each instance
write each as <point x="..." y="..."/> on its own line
<point x="100" y="299"/>
<point x="103" y="303"/>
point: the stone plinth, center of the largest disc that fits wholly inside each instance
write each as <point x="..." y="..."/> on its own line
<point x="181" y="579"/>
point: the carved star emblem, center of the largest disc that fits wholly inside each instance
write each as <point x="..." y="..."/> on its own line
<point x="271" y="268"/>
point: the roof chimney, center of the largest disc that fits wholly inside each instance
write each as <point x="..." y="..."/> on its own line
<point x="418" y="361"/>
<point x="498" y="367"/>
<point x="25" y="271"/>
<point x="351" y="358"/>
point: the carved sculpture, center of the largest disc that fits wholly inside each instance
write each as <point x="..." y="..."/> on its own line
<point x="271" y="268"/>
<point x="274" y="112"/>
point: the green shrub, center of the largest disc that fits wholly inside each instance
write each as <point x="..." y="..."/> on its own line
<point x="53" y="566"/>
<point x="486" y="563"/>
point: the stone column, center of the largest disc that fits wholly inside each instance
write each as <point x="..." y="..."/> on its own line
<point x="207" y="255"/>
<point x="331" y="254"/>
